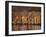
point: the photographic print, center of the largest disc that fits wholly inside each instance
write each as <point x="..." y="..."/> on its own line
<point x="24" y="18"/>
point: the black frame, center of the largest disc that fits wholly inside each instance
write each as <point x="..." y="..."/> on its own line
<point x="7" y="18"/>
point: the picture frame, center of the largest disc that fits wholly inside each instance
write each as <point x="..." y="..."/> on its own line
<point x="13" y="7"/>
